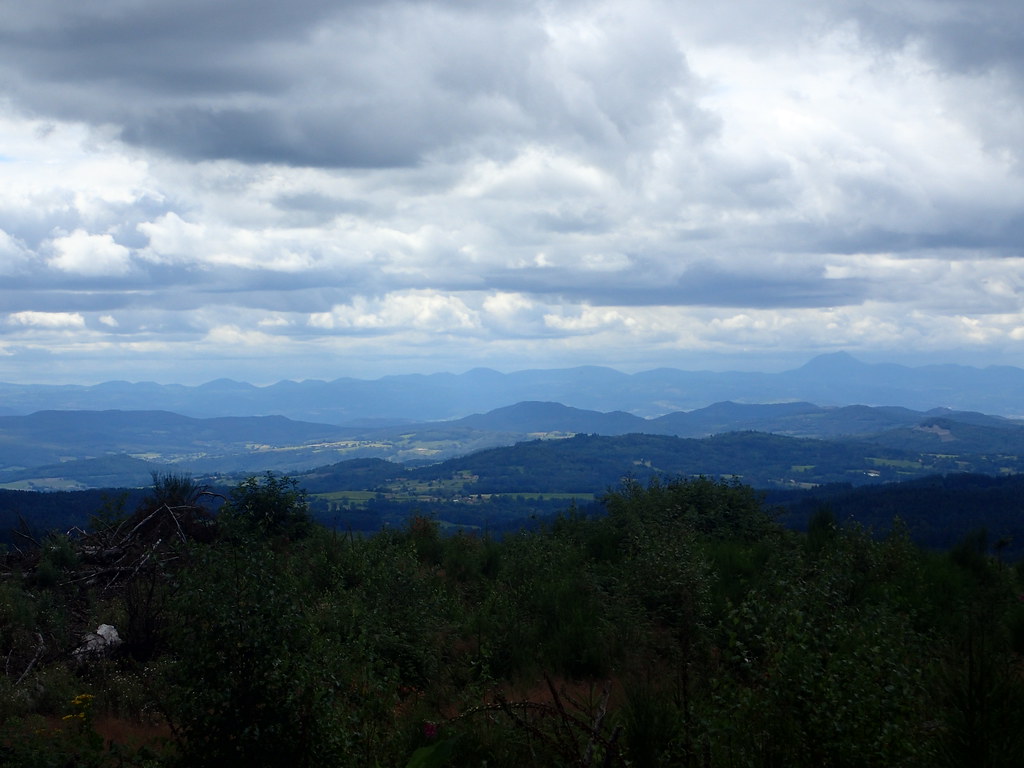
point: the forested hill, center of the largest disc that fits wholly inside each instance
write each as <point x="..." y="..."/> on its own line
<point x="64" y="450"/>
<point x="938" y="510"/>
<point x="593" y="462"/>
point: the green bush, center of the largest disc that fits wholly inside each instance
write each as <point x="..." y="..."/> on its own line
<point x="268" y="507"/>
<point x="245" y="690"/>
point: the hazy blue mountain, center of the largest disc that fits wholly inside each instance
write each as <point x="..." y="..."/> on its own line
<point x="532" y="417"/>
<point x="729" y="416"/>
<point x="93" y="433"/>
<point x="828" y="380"/>
<point x="47" y="443"/>
<point x="114" y="471"/>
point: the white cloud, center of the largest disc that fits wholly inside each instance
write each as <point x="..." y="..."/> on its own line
<point x="274" y="321"/>
<point x="225" y="337"/>
<point x="535" y="171"/>
<point x="92" y="255"/>
<point x="418" y="311"/>
<point x="171" y="239"/>
<point x="34" y="319"/>
<point x="589" y="320"/>
<point x="506" y="305"/>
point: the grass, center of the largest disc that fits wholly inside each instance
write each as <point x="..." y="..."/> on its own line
<point x="895" y="463"/>
<point x="347" y="496"/>
<point x="552" y="496"/>
<point x="44" y="484"/>
<point x="428" y="492"/>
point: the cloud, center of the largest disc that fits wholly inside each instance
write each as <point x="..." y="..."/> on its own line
<point x="588" y="320"/>
<point x="440" y="183"/>
<point x="351" y="85"/>
<point x="171" y="239"/>
<point x="14" y="256"/>
<point x="92" y="255"/>
<point x="226" y="336"/>
<point x="47" y="319"/>
<point x="416" y="311"/>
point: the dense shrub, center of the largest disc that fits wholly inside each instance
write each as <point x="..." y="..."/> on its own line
<point x="683" y="627"/>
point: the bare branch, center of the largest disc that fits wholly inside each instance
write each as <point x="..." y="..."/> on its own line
<point x="39" y="652"/>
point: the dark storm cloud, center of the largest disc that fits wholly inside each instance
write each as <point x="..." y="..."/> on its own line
<point x="320" y="84"/>
<point x="701" y="283"/>
<point x="22" y="299"/>
<point x="963" y="36"/>
<point x="349" y="138"/>
<point x="977" y="41"/>
<point x="169" y="75"/>
<point x="310" y="208"/>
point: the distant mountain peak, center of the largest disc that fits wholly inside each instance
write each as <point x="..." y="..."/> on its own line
<point x="544" y="416"/>
<point x="833" y="361"/>
<point x="225" y="384"/>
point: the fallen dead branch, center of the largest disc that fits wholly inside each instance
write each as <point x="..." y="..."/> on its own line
<point x="579" y="737"/>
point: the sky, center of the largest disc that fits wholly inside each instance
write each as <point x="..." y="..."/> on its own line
<point x="311" y="189"/>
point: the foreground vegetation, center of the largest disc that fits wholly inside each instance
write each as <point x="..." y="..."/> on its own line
<point x="681" y="627"/>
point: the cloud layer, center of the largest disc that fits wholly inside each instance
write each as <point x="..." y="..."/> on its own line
<point x="268" y="190"/>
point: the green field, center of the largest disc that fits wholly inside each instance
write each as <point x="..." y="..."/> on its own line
<point x="424" y="492"/>
<point x="896" y="463"/>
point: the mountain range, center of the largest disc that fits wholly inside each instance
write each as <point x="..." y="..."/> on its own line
<point x="828" y="380"/>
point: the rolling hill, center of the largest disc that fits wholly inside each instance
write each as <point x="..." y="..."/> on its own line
<point x="62" y="449"/>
